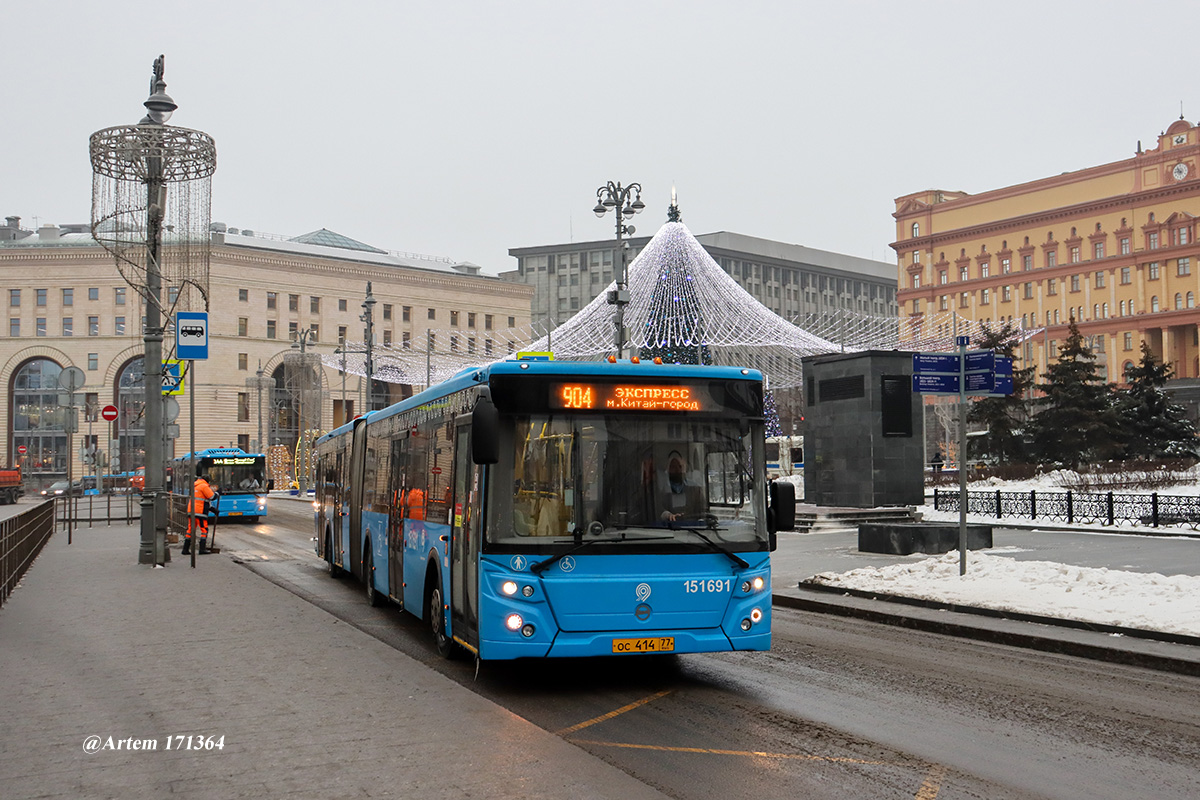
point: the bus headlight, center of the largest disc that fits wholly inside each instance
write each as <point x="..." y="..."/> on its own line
<point x="746" y="624"/>
<point x="752" y="585"/>
<point x="513" y="622"/>
<point x="527" y="591"/>
<point x="527" y="631"/>
<point x="509" y="588"/>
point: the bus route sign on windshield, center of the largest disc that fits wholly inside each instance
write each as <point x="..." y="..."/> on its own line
<point x="624" y="397"/>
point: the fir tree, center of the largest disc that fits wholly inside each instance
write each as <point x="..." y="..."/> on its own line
<point x="1154" y="426"/>
<point x="1078" y="420"/>
<point x="1005" y="418"/>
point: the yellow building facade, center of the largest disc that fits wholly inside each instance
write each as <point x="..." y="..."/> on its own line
<point x="1112" y="246"/>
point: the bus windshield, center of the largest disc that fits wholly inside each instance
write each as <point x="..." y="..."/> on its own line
<point x="236" y="475"/>
<point x="630" y="481"/>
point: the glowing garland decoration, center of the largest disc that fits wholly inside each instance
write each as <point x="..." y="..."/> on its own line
<point x="684" y="309"/>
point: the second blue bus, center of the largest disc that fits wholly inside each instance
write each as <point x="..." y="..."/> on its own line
<point x="240" y="478"/>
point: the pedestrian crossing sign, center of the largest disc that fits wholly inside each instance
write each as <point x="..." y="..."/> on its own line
<point x="172" y="376"/>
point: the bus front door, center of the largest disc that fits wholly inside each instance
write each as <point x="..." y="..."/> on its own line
<point x="464" y="542"/>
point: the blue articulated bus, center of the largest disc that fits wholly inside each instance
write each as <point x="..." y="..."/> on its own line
<point x="540" y="508"/>
<point x="240" y="478"/>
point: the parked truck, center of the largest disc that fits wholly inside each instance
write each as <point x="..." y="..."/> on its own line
<point x="10" y="485"/>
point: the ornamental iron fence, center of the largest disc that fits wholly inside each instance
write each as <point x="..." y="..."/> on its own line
<point x="1094" y="508"/>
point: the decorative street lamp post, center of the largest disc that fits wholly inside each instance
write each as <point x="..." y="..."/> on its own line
<point x="613" y="195"/>
<point x="132" y="167"/>
<point x="260" y="381"/>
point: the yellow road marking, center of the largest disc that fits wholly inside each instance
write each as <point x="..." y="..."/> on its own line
<point x="611" y="714"/>
<point x="933" y="783"/>
<point x="755" y="753"/>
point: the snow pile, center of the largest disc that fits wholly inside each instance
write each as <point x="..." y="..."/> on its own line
<point x="1145" y="601"/>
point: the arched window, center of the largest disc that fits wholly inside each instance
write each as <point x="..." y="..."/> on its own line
<point x="1096" y="311"/>
<point x="1154" y="304"/>
<point x="38" y="421"/>
<point x="1178" y="301"/>
<point x="1104" y="311"/>
<point x="916" y="229"/>
<point x="131" y="420"/>
<point x="1191" y="299"/>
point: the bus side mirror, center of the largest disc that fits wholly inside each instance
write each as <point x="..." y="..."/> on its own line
<point x="485" y="432"/>
<point x="781" y="515"/>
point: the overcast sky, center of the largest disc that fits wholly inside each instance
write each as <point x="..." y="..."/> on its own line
<point x="462" y="129"/>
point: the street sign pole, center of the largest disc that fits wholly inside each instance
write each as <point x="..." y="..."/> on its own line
<point x="962" y="454"/>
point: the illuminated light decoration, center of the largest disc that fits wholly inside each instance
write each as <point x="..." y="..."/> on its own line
<point x="771" y="415"/>
<point x="513" y="622"/>
<point x="685" y="309"/>
<point x="729" y="325"/>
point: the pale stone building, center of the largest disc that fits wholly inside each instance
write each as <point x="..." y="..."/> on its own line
<point x="69" y="306"/>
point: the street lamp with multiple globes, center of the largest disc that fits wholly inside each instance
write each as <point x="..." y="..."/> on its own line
<point x="613" y="195"/>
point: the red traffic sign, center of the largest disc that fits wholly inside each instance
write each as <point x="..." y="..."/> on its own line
<point x="22" y="449"/>
<point x="109" y="413"/>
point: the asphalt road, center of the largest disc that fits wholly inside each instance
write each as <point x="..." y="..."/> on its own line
<point x="838" y="708"/>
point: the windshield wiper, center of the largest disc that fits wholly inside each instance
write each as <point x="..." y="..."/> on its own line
<point x="542" y="566"/>
<point x="727" y="553"/>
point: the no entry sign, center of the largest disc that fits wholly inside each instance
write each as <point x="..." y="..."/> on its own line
<point x="109" y="413"/>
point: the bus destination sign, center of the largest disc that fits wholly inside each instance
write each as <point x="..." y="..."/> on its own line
<point x="625" y="397"/>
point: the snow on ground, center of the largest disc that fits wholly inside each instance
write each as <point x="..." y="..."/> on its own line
<point x="1146" y="601"/>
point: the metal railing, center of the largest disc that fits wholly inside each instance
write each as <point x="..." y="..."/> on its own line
<point x="119" y="507"/>
<point x="1094" y="508"/>
<point x="21" y="539"/>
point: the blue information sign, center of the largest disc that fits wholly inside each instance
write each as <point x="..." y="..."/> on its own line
<point x="935" y="362"/>
<point x="980" y="360"/>
<point x="191" y="335"/>
<point x="935" y="383"/>
<point x="1004" y="385"/>
<point x="1004" y="366"/>
<point x="980" y="381"/>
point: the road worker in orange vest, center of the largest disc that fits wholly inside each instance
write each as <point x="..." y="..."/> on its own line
<point x="202" y="497"/>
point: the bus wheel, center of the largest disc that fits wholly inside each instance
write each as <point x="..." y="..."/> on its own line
<point x="373" y="597"/>
<point x="437" y="623"/>
<point x="334" y="570"/>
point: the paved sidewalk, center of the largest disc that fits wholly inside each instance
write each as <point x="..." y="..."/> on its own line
<point x="93" y="644"/>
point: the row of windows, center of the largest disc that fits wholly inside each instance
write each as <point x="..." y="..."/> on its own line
<point x="68" y="326"/>
<point x="1172" y="235"/>
<point x="314" y="305"/>
<point x="1099" y="310"/>
<point x="1183" y="268"/>
<point x="41" y="296"/>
